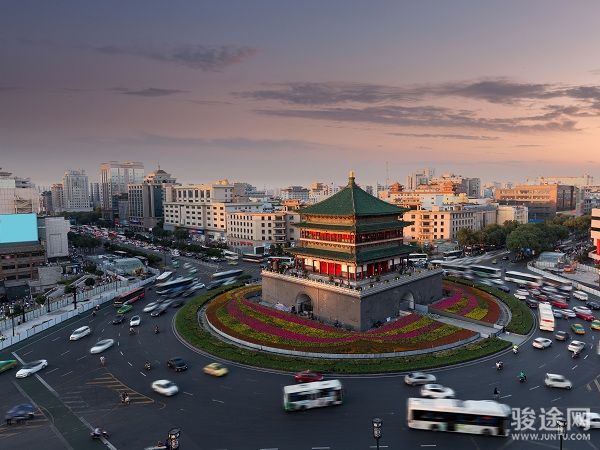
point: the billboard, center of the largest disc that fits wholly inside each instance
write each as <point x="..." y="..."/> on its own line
<point x="18" y="228"/>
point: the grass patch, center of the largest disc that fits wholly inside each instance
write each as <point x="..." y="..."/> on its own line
<point x="521" y="321"/>
<point x="189" y="329"/>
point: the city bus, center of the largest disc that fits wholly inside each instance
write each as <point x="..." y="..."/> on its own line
<point x="283" y="261"/>
<point x="546" y="317"/>
<point x="418" y="257"/>
<point x="485" y="417"/>
<point x="453" y="254"/>
<point x="129" y="297"/>
<point x="486" y="271"/>
<point x="171" y="287"/>
<point x="455" y="270"/>
<point x="312" y="395"/>
<point x="557" y="282"/>
<point x="527" y="279"/>
<point x="230" y="256"/>
<point x="255" y="258"/>
<point x="163" y="277"/>
<point x="227" y="275"/>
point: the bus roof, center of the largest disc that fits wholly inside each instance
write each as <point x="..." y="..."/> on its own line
<point x="545" y="308"/>
<point x="483" y="407"/>
<point x="303" y="387"/>
<point x="522" y="274"/>
<point x="164" y="276"/>
<point x="227" y="272"/>
<point x="175" y="282"/>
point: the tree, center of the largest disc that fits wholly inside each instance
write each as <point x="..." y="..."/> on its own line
<point x="182" y="234"/>
<point x="466" y="236"/>
<point x="525" y="239"/>
<point x="40" y="299"/>
<point x="90" y="282"/>
<point x="69" y="289"/>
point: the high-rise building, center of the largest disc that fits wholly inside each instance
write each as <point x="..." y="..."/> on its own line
<point x="76" y="191"/>
<point x="543" y="201"/>
<point x="295" y="193"/>
<point x="17" y="195"/>
<point x="115" y="176"/>
<point x="583" y="180"/>
<point x="146" y="199"/>
<point x="95" y="197"/>
<point x="58" y="198"/>
<point x="414" y="180"/>
<point x="46" y="203"/>
<point x="318" y="192"/>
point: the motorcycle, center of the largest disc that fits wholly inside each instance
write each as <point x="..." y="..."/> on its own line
<point x="575" y="355"/>
<point x="522" y="379"/>
<point x="156" y="330"/>
<point x="499" y="366"/>
<point x="131" y="331"/>
<point x="99" y="433"/>
<point x="515" y="350"/>
<point x="125" y="400"/>
<point x="147" y="366"/>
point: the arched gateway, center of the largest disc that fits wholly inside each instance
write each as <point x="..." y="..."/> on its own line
<point x="303" y="303"/>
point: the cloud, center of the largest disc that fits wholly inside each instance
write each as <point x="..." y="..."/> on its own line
<point x="528" y="145"/>
<point x="427" y="116"/>
<point x="466" y="137"/>
<point x="202" y="57"/>
<point x="10" y="88"/>
<point x="148" y="92"/>
<point x="498" y="90"/>
<point x="210" y="102"/>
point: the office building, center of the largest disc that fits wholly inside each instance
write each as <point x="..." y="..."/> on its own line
<point x="146" y="200"/>
<point x="17" y="195"/>
<point x="583" y="180"/>
<point x="115" y="176"/>
<point x="295" y="193"/>
<point x="543" y="201"/>
<point x="76" y="191"/>
<point x="95" y="197"/>
<point x="247" y="231"/>
<point x="53" y="233"/>
<point x="46" y="203"/>
<point x="416" y="179"/>
<point x="317" y="192"/>
<point x="58" y="198"/>
<point x="513" y="213"/>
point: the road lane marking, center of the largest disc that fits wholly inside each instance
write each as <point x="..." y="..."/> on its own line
<point x="557" y="356"/>
<point x="535" y="387"/>
<point x="81" y="357"/>
<point x="129" y="363"/>
<point x="142" y="373"/>
<point x="574" y="367"/>
<point x="597" y="384"/>
<point x="56" y="339"/>
<point x="50" y="371"/>
<point x="539" y="367"/>
<point x="102" y="330"/>
<point x="65" y="374"/>
<point x="585" y="357"/>
<point x="218" y="401"/>
<point x="25" y="354"/>
<point x="557" y="398"/>
<point x="188" y="393"/>
<point x="506" y="396"/>
<point x="64" y="353"/>
<point x="121" y="353"/>
<point x="320" y="448"/>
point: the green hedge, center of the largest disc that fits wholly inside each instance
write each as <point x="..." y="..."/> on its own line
<point x="521" y="321"/>
<point x="189" y="329"/>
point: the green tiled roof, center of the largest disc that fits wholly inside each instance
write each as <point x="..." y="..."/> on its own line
<point x="358" y="228"/>
<point x="362" y="257"/>
<point x="352" y="201"/>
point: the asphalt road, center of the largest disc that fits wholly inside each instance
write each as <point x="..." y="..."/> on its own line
<point x="244" y="409"/>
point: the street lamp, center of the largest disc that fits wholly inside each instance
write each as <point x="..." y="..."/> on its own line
<point x="377" y="424"/>
<point x="561" y="431"/>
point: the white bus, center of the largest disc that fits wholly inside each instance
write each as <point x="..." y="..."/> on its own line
<point x="546" y="317"/>
<point x="230" y="256"/>
<point x="174" y="286"/>
<point x="312" y="395"/>
<point x="558" y="282"/>
<point x="163" y="277"/>
<point x="453" y="254"/>
<point x="282" y="261"/>
<point x="485" y="417"/>
<point x="455" y="269"/>
<point x="486" y="271"/>
<point x="252" y="257"/>
<point x="528" y="279"/>
<point x="418" y="257"/>
<point x="227" y="275"/>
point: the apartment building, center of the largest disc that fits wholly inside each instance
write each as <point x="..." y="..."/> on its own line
<point x="58" y="198"/>
<point x="543" y="201"/>
<point x="146" y="199"/>
<point x="317" y="192"/>
<point x="295" y="193"/>
<point x="247" y="231"/>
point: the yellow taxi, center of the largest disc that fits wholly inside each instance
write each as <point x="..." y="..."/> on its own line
<point x="215" y="369"/>
<point x="595" y="324"/>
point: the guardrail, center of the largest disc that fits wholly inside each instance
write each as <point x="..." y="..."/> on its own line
<point x="81" y="308"/>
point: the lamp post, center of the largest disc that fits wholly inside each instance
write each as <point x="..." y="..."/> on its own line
<point x="561" y="431"/>
<point x="377" y="424"/>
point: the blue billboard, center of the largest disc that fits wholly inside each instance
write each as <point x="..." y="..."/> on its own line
<point x="18" y="228"/>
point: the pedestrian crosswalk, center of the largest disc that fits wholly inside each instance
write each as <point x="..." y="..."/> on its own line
<point x="594" y="385"/>
<point x="74" y="401"/>
<point x="109" y="381"/>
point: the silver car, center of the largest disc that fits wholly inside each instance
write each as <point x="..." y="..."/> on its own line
<point x="419" y="378"/>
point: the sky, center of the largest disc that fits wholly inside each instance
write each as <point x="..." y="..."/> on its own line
<point x="283" y="92"/>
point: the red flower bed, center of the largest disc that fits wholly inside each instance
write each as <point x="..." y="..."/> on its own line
<point x="468" y="302"/>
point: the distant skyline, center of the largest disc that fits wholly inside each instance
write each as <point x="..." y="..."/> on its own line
<point x="278" y="92"/>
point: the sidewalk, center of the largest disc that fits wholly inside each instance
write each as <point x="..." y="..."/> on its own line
<point x="31" y="324"/>
<point x="481" y="329"/>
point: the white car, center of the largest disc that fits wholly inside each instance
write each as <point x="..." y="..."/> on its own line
<point x="550" y="289"/>
<point x="582" y="309"/>
<point x="102" y="345"/>
<point x="541" y="343"/>
<point x="31" y="368"/>
<point x="193" y="270"/>
<point x="418" y="378"/>
<point x="567" y="313"/>
<point x="557" y="381"/>
<point x="520" y="297"/>
<point x="576" y="346"/>
<point x="135" y="321"/>
<point x="80" y="332"/>
<point x="523" y="292"/>
<point x="580" y="295"/>
<point x="588" y="420"/>
<point x="436" y="391"/>
<point x="165" y="387"/>
<point x="150" y="307"/>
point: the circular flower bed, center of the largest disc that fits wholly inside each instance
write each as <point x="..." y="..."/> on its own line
<point x="468" y="302"/>
<point x="236" y="315"/>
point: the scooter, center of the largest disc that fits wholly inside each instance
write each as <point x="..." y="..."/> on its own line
<point x="499" y="365"/>
<point x="522" y="379"/>
<point x="156" y="330"/>
<point x="515" y="350"/>
<point x="99" y="433"/>
<point x="147" y="366"/>
<point x="575" y="355"/>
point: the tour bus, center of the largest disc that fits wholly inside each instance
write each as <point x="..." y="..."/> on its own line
<point x="558" y="282"/>
<point x="418" y="257"/>
<point x="230" y="256"/>
<point x="251" y="257"/>
<point x="163" y="277"/>
<point x="129" y="297"/>
<point x="527" y="279"/>
<point x="486" y="271"/>
<point x="312" y="395"/>
<point x="283" y="261"/>
<point x="485" y="417"/>
<point x="455" y="270"/>
<point x="546" y="317"/>
<point x="453" y="254"/>
<point x="177" y="285"/>
<point x="227" y="275"/>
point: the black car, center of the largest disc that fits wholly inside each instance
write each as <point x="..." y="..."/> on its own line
<point x="562" y="336"/>
<point x="177" y="363"/>
<point x="20" y="412"/>
<point x="118" y="319"/>
<point x="593" y="305"/>
<point x="161" y="309"/>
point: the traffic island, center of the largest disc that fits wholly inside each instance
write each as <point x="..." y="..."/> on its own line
<point x="344" y="350"/>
